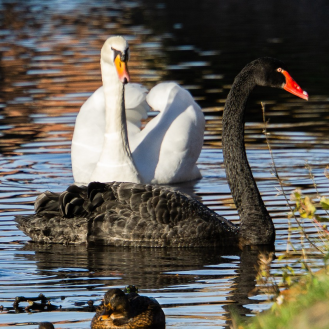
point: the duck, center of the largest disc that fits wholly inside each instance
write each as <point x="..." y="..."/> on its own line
<point x="134" y="214"/>
<point x="108" y="143"/>
<point x="128" y="311"/>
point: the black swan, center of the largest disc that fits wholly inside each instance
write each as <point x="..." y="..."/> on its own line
<point x="130" y="214"/>
<point x="128" y="311"/>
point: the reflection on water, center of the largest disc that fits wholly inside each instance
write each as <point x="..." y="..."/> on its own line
<point x="178" y="278"/>
<point x="49" y="64"/>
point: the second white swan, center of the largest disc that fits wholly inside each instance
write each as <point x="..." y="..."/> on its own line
<point x="110" y="146"/>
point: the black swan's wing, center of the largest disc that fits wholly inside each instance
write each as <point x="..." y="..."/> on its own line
<point x="125" y="214"/>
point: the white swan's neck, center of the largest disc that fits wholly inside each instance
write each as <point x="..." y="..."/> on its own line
<point x="116" y="162"/>
<point x="114" y="102"/>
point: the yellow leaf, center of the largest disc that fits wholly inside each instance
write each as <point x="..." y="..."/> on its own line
<point x="324" y="203"/>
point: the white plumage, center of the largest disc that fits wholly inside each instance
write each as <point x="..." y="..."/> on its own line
<point x="164" y="152"/>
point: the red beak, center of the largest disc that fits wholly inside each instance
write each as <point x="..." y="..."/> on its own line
<point x="292" y="86"/>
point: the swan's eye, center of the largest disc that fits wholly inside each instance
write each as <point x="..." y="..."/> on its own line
<point x="279" y="69"/>
<point x="116" y="53"/>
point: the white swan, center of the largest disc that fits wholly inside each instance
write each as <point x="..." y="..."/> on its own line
<point x="164" y="152"/>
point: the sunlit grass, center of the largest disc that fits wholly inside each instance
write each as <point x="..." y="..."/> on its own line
<point x="303" y="306"/>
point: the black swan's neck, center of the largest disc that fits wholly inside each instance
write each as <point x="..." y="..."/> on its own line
<point x="256" y="224"/>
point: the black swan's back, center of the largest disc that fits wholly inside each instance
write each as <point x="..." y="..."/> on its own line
<point x="126" y="214"/>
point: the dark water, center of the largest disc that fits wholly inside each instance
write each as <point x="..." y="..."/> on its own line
<point x="50" y="65"/>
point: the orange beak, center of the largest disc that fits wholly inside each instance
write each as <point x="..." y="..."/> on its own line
<point x="292" y="87"/>
<point x="122" y="69"/>
<point x="105" y="315"/>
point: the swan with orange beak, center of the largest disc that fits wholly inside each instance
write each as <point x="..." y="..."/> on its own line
<point x="164" y="152"/>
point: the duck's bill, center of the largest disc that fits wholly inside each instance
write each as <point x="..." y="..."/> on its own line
<point x="104" y="317"/>
<point x="122" y="69"/>
<point x="292" y="87"/>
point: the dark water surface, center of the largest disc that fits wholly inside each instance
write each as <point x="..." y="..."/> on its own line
<point x="49" y="65"/>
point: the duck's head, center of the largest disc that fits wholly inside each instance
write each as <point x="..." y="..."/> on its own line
<point x="131" y="289"/>
<point x="116" y="304"/>
<point x="115" y="51"/>
<point x="272" y="72"/>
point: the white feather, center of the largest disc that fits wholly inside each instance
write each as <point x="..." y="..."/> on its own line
<point x="164" y="152"/>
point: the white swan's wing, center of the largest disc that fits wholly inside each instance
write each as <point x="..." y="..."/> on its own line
<point x="88" y="136"/>
<point x="164" y="152"/>
<point x="167" y="149"/>
<point x="135" y="95"/>
<point x="136" y="107"/>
